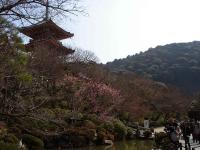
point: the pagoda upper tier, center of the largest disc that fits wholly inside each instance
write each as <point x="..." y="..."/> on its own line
<point x="48" y="34"/>
<point x="44" y="30"/>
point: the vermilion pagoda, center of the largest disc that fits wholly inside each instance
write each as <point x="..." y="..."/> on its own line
<point x="49" y="34"/>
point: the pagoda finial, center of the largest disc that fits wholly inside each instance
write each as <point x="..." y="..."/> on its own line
<point x="47" y="10"/>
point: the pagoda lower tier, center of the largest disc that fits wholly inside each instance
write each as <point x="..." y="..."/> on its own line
<point x="50" y="44"/>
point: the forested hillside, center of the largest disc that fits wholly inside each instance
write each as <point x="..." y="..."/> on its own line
<point x="177" y="64"/>
<point x="139" y="96"/>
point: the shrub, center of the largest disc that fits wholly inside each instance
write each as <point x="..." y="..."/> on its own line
<point x="3" y="132"/>
<point x="108" y="126"/>
<point x="120" y="129"/>
<point x="33" y="142"/>
<point x="101" y="128"/>
<point x="10" y="138"/>
<point x="91" y="134"/>
<point x="8" y="146"/>
<point x="14" y="130"/>
<point x="46" y="113"/>
<point x="89" y="124"/>
<point x="45" y="126"/>
<point x="130" y="133"/>
<point x="124" y="116"/>
<point x="64" y="105"/>
<point x="60" y="113"/>
<point x="93" y="118"/>
<point x="88" y="133"/>
<point x="103" y="135"/>
<point x="161" y="121"/>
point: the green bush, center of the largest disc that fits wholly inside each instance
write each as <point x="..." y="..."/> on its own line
<point x="130" y="133"/>
<point x="14" y="130"/>
<point x="89" y="124"/>
<point x="46" y="126"/>
<point x="120" y="129"/>
<point x="108" y="126"/>
<point x="93" y="118"/>
<point x="33" y="142"/>
<point x="3" y="132"/>
<point x="88" y="133"/>
<point x="91" y="134"/>
<point x="10" y="138"/>
<point x="124" y="116"/>
<point x="8" y="146"/>
<point x="46" y="113"/>
<point x="161" y="121"/>
<point x="102" y="136"/>
<point x="60" y="113"/>
<point x="101" y="128"/>
<point x="64" y="104"/>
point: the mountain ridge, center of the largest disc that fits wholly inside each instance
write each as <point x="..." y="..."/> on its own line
<point x="176" y="64"/>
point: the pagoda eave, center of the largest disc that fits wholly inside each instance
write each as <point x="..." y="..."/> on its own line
<point x="34" y="31"/>
<point x="52" y="45"/>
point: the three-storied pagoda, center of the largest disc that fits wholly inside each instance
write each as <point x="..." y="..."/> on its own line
<point x="48" y="34"/>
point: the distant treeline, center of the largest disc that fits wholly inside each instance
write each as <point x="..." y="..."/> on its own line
<point x="177" y="64"/>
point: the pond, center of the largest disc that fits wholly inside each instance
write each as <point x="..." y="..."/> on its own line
<point x="126" y="145"/>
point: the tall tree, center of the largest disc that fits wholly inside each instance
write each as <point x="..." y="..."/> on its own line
<point x="32" y="11"/>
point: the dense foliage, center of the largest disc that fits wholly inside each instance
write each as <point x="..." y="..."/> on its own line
<point x="176" y="64"/>
<point x="75" y="102"/>
<point x="139" y="96"/>
<point x="38" y="101"/>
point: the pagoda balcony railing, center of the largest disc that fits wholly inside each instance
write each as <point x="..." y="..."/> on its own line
<point x="44" y="40"/>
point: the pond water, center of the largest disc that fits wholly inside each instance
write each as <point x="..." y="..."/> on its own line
<point x="126" y="145"/>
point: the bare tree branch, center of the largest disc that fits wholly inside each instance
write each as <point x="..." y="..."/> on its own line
<point x="32" y="11"/>
<point x="83" y="56"/>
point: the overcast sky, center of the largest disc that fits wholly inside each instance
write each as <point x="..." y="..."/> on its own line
<point x="117" y="28"/>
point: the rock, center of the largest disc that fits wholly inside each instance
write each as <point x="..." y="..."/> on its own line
<point x="108" y="142"/>
<point x="21" y="145"/>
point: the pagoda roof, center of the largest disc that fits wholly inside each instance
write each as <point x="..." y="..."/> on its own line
<point x="34" y="30"/>
<point x="54" y="44"/>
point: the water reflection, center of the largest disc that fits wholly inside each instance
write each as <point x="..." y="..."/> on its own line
<point x="128" y="145"/>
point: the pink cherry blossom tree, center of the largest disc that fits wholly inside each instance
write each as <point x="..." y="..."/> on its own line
<point x="92" y="97"/>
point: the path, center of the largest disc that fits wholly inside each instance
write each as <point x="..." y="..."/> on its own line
<point x="194" y="146"/>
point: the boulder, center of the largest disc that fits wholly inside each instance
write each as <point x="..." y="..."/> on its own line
<point x="108" y="142"/>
